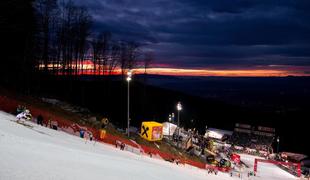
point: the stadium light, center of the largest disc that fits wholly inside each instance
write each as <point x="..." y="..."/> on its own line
<point x="179" y="108"/>
<point x="169" y="125"/>
<point x="129" y="78"/>
<point x="129" y="75"/>
<point x="278" y="144"/>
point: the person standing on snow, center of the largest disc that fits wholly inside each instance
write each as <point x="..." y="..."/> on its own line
<point x="40" y="120"/>
<point x="90" y="136"/>
<point x="82" y="132"/>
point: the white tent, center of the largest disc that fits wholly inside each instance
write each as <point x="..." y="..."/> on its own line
<point x="167" y="126"/>
<point x="217" y="133"/>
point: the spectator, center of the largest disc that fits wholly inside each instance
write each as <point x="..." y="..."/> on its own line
<point x="82" y="132"/>
<point x="40" y="120"/>
<point x="20" y="109"/>
<point x="90" y="136"/>
<point x="54" y="125"/>
<point x="122" y="146"/>
<point x="49" y="123"/>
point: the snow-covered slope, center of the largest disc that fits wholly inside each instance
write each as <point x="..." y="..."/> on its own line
<point x="266" y="171"/>
<point x="38" y="153"/>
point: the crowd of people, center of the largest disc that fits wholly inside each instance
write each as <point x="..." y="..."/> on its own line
<point x="252" y="144"/>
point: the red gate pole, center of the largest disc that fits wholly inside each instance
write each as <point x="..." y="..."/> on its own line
<point x="255" y="166"/>
<point x="298" y="170"/>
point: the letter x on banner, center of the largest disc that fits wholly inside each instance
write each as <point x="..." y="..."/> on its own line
<point x="145" y="130"/>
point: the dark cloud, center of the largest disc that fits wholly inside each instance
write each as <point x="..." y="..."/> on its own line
<point x="204" y="33"/>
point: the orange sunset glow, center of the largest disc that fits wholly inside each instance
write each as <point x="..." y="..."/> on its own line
<point x="228" y="73"/>
<point x="266" y="71"/>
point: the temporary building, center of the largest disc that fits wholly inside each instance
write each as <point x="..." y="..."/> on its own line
<point x="152" y="131"/>
<point x="169" y="128"/>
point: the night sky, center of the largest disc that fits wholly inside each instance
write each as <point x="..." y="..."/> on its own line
<point x="214" y="35"/>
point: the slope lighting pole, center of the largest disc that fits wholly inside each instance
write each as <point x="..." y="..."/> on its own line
<point x="179" y="108"/>
<point x="278" y="144"/>
<point x="169" y="125"/>
<point x="129" y="74"/>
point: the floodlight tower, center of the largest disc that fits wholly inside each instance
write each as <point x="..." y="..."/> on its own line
<point x="129" y="77"/>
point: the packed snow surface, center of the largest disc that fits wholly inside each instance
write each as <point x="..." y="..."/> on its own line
<point x="34" y="152"/>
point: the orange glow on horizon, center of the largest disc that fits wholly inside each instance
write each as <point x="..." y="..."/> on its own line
<point x="200" y="72"/>
<point x="228" y="73"/>
<point x="261" y="71"/>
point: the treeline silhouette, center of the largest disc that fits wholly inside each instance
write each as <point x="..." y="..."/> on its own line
<point x="56" y="37"/>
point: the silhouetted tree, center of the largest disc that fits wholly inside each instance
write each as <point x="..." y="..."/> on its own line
<point x="101" y="48"/>
<point x="73" y="29"/>
<point x="129" y="54"/>
<point x="123" y="57"/>
<point x="114" y="57"/>
<point x="81" y="31"/>
<point x="148" y="58"/>
<point x="46" y="18"/>
<point x="97" y="45"/>
<point x="133" y="52"/>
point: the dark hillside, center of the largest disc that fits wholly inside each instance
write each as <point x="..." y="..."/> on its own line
<point x="108" y="96"/>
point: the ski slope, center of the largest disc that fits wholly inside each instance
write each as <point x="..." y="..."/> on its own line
<point x="265" y="170"/>
<point x="33" y="152"/>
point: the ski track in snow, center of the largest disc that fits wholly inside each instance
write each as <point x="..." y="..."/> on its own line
<point x="40" y="153"/>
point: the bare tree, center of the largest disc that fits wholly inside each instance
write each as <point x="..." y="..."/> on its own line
<point x="82" y="26"/>
<point x="65" y="29"/>
<point x="114" y="58"/>
<point x="148" y="59"/>
<point x="97" y="45"/>
<point x="129" y="54"/>
<point x="45" y="13"/>
<point x="65" y="42"/>
<point x="101" y="47"/>
<point x="105" y="51"/>
<point x="73" y="29"/>
<point x="123" y="60"/>
<point x="133" y="53"/>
